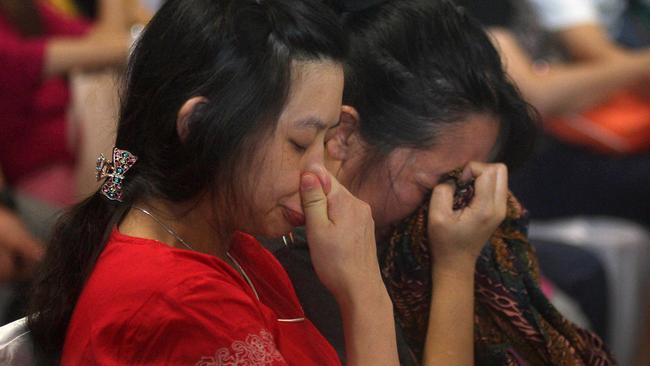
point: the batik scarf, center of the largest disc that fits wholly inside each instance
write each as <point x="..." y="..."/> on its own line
<point x="514" y="323"/>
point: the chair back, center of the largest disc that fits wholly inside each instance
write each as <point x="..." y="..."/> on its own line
<point x="16" y="348"/>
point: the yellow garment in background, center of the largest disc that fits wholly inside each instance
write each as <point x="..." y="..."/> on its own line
<point x="65" y="6"/>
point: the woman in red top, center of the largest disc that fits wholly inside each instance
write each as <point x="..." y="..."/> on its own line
<point x="227" y="107"/>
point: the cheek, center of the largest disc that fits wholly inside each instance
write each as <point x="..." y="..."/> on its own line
<point x="409" y="199"/>
<point x="399" y="203"/>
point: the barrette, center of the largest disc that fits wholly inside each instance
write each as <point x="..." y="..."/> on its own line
<point x="114" y="170"/>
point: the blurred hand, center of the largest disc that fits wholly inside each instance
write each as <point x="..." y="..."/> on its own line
<point x="109" y="37"/>
<point x="19" y="250"/>
<point x="457" y="237"/>
<point x="341" y="236"/>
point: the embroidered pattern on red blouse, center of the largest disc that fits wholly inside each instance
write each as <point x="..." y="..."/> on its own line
<point x="256" y="350"/>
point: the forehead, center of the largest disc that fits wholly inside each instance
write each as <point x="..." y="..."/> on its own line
<point x="315" y="95"/>
<point x="474" y="139"/>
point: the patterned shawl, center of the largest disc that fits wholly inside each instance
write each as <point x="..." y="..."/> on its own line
<point x="514" y="322"/>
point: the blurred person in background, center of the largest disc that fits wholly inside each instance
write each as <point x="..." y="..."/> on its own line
<point x="39" y="48"/>
<point x="566" y="178"/>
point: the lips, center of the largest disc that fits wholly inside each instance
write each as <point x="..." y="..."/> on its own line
<point x="294" y="218"/>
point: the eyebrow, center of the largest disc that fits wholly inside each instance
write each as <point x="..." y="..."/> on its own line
<point x="312" y="122"/>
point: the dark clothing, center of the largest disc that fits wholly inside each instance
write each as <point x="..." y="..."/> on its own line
<point x="565" y="180"/>
<point x="581" y="275"/>
<point x="318" y="303"/>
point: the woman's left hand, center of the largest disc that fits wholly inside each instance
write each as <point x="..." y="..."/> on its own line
<point x="456" y="237"/>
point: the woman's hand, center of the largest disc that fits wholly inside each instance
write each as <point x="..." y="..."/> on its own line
<point x="457" y="237"/>
<point x="341" y="237"/>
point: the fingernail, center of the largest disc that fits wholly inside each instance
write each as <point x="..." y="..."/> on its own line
<point x="308" y="182"/>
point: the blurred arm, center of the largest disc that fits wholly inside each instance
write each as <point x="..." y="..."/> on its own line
<point x="590" y="42"/>
<point x="96" y="50"/>
<point x="566" y="88"/>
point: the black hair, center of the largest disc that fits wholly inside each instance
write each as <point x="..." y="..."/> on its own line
<point x="238" y="54"/>
<point x="418" y="66"/>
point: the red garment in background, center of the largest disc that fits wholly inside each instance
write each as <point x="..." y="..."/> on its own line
<point x="32" y="109"/>
<point x="147" y="303"/>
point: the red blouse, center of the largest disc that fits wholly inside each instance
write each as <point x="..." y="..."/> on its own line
<point x="32" y="109"/>
<point x="147" y="303"/>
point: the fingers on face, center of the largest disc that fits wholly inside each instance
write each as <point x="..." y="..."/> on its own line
<point x="313" y="199"/>
<point x="442" y="202"/>
<point x="491" y="190"/>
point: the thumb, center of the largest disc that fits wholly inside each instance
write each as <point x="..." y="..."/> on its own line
<point x="314" y="200"/>
<point x="442" y="200"/>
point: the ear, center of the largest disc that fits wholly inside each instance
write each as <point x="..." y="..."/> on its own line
<point x="185" y="116"/>
<point x="340" y="145"/>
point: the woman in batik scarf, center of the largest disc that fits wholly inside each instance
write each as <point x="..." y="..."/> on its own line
<point x="429" y="124"/>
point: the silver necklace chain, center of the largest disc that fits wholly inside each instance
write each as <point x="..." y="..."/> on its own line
<point x="173" y="233"/>
<point x="167" y="228"/>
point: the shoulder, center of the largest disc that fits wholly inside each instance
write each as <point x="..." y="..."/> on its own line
<point x="201" y="318"/>
<point x="136" y="276"/>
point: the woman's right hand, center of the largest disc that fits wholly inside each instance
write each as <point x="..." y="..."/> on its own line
<point x="341" y="235"/>
<point x="457" y="237"/>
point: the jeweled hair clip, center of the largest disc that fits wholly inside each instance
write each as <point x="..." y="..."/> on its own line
<point x="113" y="171"/>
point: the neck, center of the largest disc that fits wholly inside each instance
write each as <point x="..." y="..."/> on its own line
<point x="189" y="221"/>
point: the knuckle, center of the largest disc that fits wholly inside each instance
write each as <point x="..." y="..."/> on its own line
<point x="485" y="215"/>
<point x="365" y="209"/>
<point x="313" y="202"/>
<point x="437" y="218"/>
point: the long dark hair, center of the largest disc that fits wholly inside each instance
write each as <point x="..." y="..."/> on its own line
<point x="418" y="66"/>
<point x="235" y="53"/>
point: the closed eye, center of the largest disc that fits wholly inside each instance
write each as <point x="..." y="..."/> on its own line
<point x="296" y="146"/>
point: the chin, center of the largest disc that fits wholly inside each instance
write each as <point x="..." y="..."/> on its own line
<point x="277" y="229"/>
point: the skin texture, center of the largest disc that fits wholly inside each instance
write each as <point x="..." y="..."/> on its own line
<point x="397" y="186"/>
<point x="290" y="188"/>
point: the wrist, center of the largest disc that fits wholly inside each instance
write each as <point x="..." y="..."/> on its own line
<point x="375" y="294"/>
<point x="459" y="269"/>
